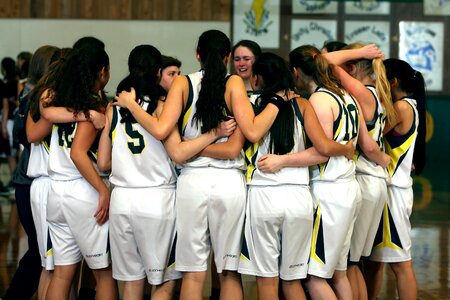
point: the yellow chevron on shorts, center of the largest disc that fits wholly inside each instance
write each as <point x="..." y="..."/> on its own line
<point x="49" y="252"/>
<point x="243" y="257"/>
<point x="315" y="235"/>
<point x="387" y="241"/>
<point x="171" y="266"/>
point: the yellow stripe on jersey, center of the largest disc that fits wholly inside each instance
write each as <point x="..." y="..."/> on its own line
<point x="186" y="119"/>
<point x="322" y="168"/>
<point x="338" y="129"/>
<point x="46" y="145"/>
<point x="315" y="236"/>
<point x="397" y="153"/>
<point x="250" y="155"/>
<point x="113" y="134"/>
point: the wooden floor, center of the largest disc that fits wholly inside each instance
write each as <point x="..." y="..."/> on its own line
<point x="430" y="237"/>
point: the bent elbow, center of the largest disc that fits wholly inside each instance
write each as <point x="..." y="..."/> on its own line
<point x="75" y="155"/>
<point x="103" y="166"/>
<point x="32" y="138"/>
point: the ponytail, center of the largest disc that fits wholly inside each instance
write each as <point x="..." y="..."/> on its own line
<point x="383" y="89"/>
<point x="419" y="94"/>
<point x="311" y="62"/>
<point x="213" y="48"/>
<point x="276" y="77"/>
<point x="211" y="106"/>
<point x="413" y="84"/>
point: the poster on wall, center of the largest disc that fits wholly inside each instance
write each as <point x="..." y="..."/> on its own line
<point x="314" y="6"/>
<point x="436" y="7"/>
<point x="312" y="32"/>
<point x="374" y="32"/>
<point x="372" y="7"/>
<point x="257" y="20"/>
<point x="421" y="45"/>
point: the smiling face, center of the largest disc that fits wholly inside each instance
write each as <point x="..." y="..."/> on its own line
<point x="168" y="75"/>
<point x="243" y="61"/>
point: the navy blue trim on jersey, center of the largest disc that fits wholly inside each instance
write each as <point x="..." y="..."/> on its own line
<point x="113" y="121"/>
<point x="188" y="105"/>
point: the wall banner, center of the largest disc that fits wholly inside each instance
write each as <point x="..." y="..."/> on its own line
<point x="314" y="7"/>
<point x="375" y="32"/>
<point x="421" y="45"/>
<point x="312" y="32"/>
<point x="257" y="20"/>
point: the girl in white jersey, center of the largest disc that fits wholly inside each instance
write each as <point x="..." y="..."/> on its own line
<point x="38" y="129"/>
<point x="405" y="143"/>
<point x="334" y="187"/>
<point x="280" y="208"/>
<point x="366" y="80"/>
<point x="78" y="200"/>
<point x="221" y="96"/>
<point x="142" y="211"/>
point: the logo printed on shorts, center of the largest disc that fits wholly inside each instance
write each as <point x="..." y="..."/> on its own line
<point x="296" y="265"/>
<point x="230" y="256"/>
<point x="155" y="270"/>
<point x="93" y="255"/>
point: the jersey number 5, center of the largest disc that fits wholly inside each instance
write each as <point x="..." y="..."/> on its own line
<point x="137" y="144"/>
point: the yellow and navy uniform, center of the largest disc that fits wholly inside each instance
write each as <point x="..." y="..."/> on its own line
<point x="345" y="128"/>
<point x="139" y="160"/>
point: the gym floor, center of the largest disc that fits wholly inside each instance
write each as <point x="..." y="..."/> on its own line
<point x="430" y="237"/>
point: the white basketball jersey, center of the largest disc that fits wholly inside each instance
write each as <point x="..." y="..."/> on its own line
<point x="38" y="162"/>
<point x="190" y="129"/>
<point x="290" y="175"/>
<point x="401" y="149"/>
<point x="138" y="159"/>
<point x="60" y="165"/>
<point x="345" y="128"/>
<point x="375" y="128"/>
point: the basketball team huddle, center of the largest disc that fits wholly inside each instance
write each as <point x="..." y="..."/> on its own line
<point x="311" y="196"/>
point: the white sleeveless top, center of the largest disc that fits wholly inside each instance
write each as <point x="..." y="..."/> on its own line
<point x="138" y="159"/>
<point x="191" y="129"/>
<point x="38" y="162"/>
<point x="401" y="149"/>
<point x="375" y="128"/>
<point x="345" y="128"/>
<point x="60" y="165"/>
<point x="290" y="175"/>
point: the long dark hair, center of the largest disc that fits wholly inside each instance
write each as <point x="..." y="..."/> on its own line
<point x="42" y="58"/>
<point x="69" y="82"/>
<point x="412" y="82"/>
<point x="213" y="47"/>
<point x="144" y="63"/>
<point x="312" y="63"/>
<point x="277" y="77"/>
<point x="251" y="45"/>
<point x="9" y="68"/>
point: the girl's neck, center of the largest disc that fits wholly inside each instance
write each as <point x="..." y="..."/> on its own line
<point x="397" y="95"/>
<point x="248" y="85"/>
<point x="312" y="86"/>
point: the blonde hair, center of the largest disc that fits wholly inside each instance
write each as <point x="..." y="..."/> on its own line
<point x="312" y="63"/>
<point x="376" y="68"/>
